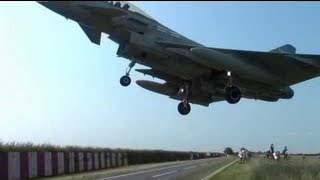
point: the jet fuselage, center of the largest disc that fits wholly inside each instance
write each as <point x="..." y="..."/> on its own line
<point x="139" y="37"/>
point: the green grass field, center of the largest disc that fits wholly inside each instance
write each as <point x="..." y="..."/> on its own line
<point x="258" y="168"/>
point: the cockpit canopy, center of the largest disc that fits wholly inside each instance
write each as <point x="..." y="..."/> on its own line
<point x="130" y="7"/>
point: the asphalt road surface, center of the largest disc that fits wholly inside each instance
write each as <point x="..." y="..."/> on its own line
<point x="184" y="170"/>
<point x="193" y="170"/>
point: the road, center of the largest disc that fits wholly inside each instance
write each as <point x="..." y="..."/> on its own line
<point x="185" y="170"/>
<point x="197" y="170"/>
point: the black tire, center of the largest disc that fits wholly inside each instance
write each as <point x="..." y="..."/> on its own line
<point x="232" y="95"/>
<point x="184" y="110"/>
<point x="125" y="80"/>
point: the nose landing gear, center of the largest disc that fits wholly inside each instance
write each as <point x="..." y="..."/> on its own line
<point x="126" y="80"/>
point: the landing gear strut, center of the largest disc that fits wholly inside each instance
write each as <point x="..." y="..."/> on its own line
<point x="232" y="93"/>
<point x="184" y="107"/>
<point x="126" y="80"/>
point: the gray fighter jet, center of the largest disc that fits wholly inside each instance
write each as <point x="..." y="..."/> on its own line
<point x="193" y="73"/>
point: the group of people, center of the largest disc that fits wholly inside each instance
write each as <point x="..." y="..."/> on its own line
<point x="244" y="154"/>
<point x="276" y="154"/>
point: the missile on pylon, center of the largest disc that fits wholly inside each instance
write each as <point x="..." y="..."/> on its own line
<point x="164" y="89"/>
<point x="158" y="74"/>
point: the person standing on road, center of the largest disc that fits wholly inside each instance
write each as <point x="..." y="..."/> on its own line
<point x="245" y="152"/>
<point x="271" y="149"/>
<point x="285" y="153"/>
<point x="241" y="154"/>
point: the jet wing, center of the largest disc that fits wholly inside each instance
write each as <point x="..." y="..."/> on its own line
<point x="281" y="64"/>
<point x="92" y="34"/>
<point x="291" y="68"/>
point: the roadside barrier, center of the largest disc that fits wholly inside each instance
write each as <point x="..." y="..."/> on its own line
<point x="26" y="165"/>
<point x="34" y="163"/>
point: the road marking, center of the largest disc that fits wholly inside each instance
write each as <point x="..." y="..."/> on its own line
<point x="219" y="170"/>
<point x="144" y="171"/>
<point x="189" y="167"/>
<point x="163" y="174"/>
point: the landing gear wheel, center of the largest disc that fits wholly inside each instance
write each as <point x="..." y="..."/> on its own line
<point x="125" y="80"/>
<point x="184" y="108"/>
<point x="232" y="95"/>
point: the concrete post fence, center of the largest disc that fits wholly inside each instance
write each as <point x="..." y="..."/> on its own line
<point x="27" y="165"/>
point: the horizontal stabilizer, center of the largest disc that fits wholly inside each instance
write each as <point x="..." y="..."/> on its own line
<point x="286" y="49"/>
<point x="92" y="34"/>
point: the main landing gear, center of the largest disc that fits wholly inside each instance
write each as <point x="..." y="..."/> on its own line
<point x="184" y="107"/>
<point x="126" y="80"/>
<point x="232" y="93"/>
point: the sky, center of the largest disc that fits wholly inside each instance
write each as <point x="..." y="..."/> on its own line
<point x="56" y="87"/>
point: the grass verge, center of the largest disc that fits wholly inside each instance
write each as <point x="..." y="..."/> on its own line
<point x="296" y="168"/>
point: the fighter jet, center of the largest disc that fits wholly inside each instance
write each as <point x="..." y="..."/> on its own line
<point x="192" y="72"/>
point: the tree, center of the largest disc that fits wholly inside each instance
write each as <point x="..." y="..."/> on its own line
<point x="228" y="151"/>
